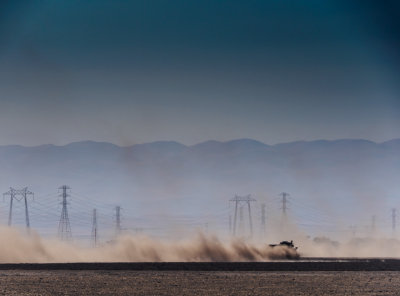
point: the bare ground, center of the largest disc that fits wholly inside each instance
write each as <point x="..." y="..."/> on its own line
<point x="153" y="282"/>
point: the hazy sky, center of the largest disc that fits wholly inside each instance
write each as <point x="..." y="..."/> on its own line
<point x="138" y="71"/>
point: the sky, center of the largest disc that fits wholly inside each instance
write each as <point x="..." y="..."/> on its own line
<point x="130" y="72"/>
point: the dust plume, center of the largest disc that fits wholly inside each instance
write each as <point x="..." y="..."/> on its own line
<point x="354" y="247"/>
<point x="21" y="248"/>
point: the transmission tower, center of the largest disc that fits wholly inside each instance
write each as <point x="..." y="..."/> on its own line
<point x="241" y="221"/>
<point x="118" y="220"/>
<point x="230" y="224"/>
<point x="240" y="200"/>
<point x="64" y="227"/>
<point x="206" y="227"/>
<point x="284" y="202"/>
<point x="394" y="212"/>
<point x="18" y="195"/>
<point x="94" y="228"/>
<point x="373" y="223"/>
<point x="353" y="229"/>
<point x="263" y="221"/>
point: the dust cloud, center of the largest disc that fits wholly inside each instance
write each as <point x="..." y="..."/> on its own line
<point x="351" y="248"/>
<point x="18" y="247"/>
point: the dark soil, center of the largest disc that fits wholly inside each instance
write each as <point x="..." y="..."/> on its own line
<point x="194" y="279"/>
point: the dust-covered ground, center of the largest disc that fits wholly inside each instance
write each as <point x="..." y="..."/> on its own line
<point x="130" y="282"/>
<point x="201" y="265"/>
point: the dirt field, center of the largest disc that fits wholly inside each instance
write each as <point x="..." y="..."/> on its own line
<point x="150" y="282"/>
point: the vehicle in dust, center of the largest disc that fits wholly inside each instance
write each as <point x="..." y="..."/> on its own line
<point x="284" y="243"/>
<point x="284" y="250"/>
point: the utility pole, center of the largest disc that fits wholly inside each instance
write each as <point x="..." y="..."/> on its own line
<point x="263" y="221"/>
<point x="94" y="228"/>
<point x="18" y="195"/>
<point x="64" y="227"/>
<point x="118" y="220"/>
<point x="394" y="212"/>
<point x="240" y="200"/>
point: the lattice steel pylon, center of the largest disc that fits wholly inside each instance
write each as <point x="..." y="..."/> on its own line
<point x="284" y="208"/>
<point x="284" y="218"/>
<point x="94" y="228"/>
<point x="64" y="227"/>
<point x="238" y="200"/>
<point x="263" y="221"/>
<point x="19" y="194"/>
<point x="118" y="220"/>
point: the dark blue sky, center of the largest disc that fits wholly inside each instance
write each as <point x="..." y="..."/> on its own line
<point x="138" y="71"/>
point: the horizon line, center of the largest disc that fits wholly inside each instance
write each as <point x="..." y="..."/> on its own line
<point x="199" y="143"/>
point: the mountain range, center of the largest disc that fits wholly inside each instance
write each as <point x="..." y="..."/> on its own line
<point x="333" y="176"/>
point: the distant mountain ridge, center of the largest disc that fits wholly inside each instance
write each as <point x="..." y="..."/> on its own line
<point x="241" y="141"/>
<point x="208" y="172"/>
<point x="241" y="150"/>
